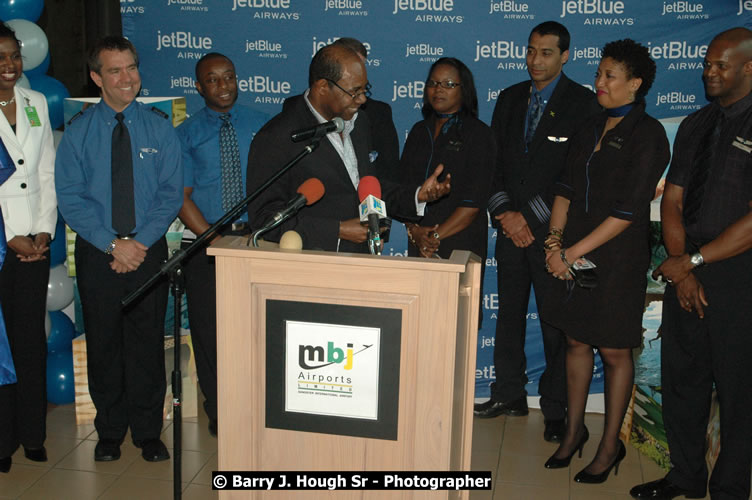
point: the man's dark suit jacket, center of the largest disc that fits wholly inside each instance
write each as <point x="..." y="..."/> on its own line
<point x="385" y="139"/>
<point x="317" y="224"/>
<point x="524" y="180"/>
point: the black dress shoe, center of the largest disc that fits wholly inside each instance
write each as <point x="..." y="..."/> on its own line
<point x="491" y="408"/>
<point x="560" y="463"/>
<point x="5" y="464"/>
<point x="586" y="477"/>
<point x="36" y="454"/>
<point x="662" y="489"/>
<point x="107" y="450"/>
<point x="154" y="450"/>
<point x="554" y="430"/>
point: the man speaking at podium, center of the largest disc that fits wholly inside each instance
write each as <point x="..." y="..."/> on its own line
<point x="338" y="87"/>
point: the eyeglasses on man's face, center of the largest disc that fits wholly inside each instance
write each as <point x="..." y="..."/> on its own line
<point x="354" y="95"/>
<point x="446" y="84"/>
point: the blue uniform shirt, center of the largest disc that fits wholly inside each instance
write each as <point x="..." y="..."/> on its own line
<point x="83" y="173"/>
<point x="202" y="171"/>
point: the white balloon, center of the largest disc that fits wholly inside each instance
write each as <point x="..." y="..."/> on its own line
<point x="34" y="45"/>
<point x="23" y="81"/>
<point x="59" y="289"/>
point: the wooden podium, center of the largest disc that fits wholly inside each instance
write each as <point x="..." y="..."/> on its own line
<point x="425" y="313"/>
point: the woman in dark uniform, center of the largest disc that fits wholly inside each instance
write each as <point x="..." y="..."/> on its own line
<point x="602" y="212"/>
<point x="452" y="135"/>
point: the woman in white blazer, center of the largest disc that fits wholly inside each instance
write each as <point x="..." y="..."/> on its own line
<point x="29" y="208"/>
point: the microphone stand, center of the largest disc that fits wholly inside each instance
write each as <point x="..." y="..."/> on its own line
<point x="172" y="267"/>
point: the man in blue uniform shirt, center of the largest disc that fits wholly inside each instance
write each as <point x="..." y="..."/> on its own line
<point x="215" y="144"/>
<point x="119" y="184"/>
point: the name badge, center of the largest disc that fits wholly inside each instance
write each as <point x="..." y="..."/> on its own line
<point x="31" y="114"/>
<point x="742" y="144"/>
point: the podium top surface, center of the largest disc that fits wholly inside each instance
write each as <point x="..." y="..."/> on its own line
<point x="236" y="246"/>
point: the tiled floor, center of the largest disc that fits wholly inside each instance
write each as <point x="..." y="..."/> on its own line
<point x="511" y="447"/>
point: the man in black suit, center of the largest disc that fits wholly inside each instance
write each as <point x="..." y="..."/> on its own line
<point x="383" y="133"/>
<point x="338" y="87"/>
<point x="533" y="122"/>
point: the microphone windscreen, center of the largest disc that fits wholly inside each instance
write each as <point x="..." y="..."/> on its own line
<point x="312" y="189"/>
<point x="369" y="185"/>
<point x="291" y="240"/>
<point x="340" y="123"/>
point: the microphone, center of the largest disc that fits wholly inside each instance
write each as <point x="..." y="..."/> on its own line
<point x="309" y="193"/>
<point x="337" y="124"/>
<point x="371" y="210"/>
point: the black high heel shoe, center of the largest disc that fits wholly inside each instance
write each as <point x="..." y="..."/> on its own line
<point x="560" y="463"/>
<point x="5" y="464"/>
<point x="586" y="477"/>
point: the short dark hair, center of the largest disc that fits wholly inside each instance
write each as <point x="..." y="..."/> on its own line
<point x="553" y="28"/>
<point x="326" y="64"/>
<point x="469" y="95"/>
<point x="7" y="32"/>
<point x="353" y="44"/>
<point x="211" y="55"/>
<point x="110" y="42"/>
<point x="636" y="60"/>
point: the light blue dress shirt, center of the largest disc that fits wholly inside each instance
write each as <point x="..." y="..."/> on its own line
<point x="83" y="173"/>
<point x="202" y="171"/>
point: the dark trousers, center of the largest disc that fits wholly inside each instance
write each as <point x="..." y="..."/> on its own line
<point x="517" y="269"/>
<point x="23" y="405"/>
<point x="201" y="290"/>
<point x="125" y="348"/>
<point x="695" y="354"/>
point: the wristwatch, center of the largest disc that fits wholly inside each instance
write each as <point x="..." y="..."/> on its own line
<point x="696" y="259"/>
<point x="111" y="247"/>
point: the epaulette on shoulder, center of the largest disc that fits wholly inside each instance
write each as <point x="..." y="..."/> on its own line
<point x="159" y="112"/>
<point x="75" y="117"/>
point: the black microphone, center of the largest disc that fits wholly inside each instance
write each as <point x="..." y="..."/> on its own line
<point x="309" y="193"/>
<point x="337" y="124"/>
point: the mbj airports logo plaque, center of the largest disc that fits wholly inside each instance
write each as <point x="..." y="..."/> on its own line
<point x="332" y="369"/>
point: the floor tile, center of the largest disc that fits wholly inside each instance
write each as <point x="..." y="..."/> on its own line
<point x="191" y="464"/>
<point x="57" y="448"/>
<point x="199" y="492"/>
<point x="204" y="476"/>
<point x="130" y="488"/>
<point x="19" y="479"/>
<point x="82" y="458"/>
<point x="68" y="484"/>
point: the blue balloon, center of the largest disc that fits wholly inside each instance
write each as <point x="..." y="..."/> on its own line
<point x="62" y="332"/>
<point x="58" y="245"/>
<point x="55" y="92"/>
<point x="22" y="9"/>
<point x="60" y="385"/>
<point x="41" y="69"/>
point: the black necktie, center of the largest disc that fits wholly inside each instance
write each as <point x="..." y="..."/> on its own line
<point x="123" y="212"/>
<point x="702" y="164"/>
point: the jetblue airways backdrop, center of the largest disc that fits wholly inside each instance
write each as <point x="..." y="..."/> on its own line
<point x="272" y="41"/>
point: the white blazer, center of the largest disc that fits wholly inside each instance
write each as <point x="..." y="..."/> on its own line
<point x="27" y="198"/>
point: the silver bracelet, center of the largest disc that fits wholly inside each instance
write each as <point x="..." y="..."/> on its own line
<point x="563" y="255"/>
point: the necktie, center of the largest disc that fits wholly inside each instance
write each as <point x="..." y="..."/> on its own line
<point x="229" y="158"/>
<point x="702" y="164"/>
<point x="123" y="211"/>
<point x="536" y="110"/>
